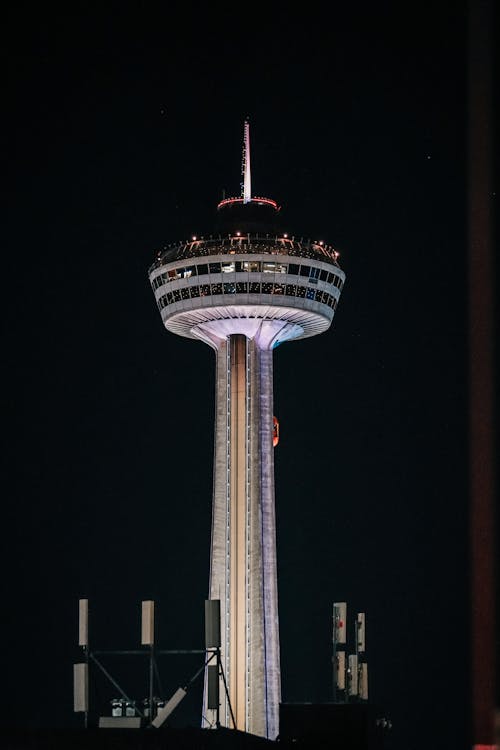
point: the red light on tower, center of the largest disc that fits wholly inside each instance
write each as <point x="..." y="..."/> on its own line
<point x="276" y="432"/>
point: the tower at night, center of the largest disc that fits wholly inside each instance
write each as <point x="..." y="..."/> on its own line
<point x="244" y="291"/>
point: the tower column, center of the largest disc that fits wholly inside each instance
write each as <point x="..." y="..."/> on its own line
<point x="263" y="413"/>
<point x="243" y="554"/>
<point x="238" y="527"/>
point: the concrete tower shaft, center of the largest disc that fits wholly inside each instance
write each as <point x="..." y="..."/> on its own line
<point x="243" y="561"/>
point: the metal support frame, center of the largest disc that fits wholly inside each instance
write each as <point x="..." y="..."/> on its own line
<point x="213" y="651"/>
<point x="220" y="672"/>
<point x="92" y="655"/>
<point x="359" y="654"/>
<point x="153" y="671"/>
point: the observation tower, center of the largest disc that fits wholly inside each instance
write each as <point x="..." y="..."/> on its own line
<point x="243" y="291"/>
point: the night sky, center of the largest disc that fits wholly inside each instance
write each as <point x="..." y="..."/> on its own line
<point x="124" y="126"/>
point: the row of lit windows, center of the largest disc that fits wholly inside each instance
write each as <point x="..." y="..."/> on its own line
<point x="313" y="274"/>
<point x="244" y="287"/>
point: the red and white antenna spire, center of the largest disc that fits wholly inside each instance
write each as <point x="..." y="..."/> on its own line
<point x="245" y="165"/>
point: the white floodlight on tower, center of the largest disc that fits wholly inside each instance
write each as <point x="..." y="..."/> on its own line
<point x="244" y="292"/>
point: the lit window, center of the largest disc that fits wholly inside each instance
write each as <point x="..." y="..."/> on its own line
<point x="273" y="268"/>
<point x="251" y="265"/>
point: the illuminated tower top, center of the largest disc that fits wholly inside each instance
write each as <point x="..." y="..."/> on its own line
<point x="249" y="276"/>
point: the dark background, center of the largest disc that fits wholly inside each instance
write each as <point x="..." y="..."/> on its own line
<point x="124" y="126"/>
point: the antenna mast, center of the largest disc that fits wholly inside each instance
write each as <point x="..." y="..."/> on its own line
<point x="245" y="165"/>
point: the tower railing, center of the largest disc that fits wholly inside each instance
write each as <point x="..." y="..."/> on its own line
<point x="245" y="244"/>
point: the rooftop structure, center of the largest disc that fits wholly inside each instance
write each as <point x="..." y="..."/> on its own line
<point x="245" y="290"/>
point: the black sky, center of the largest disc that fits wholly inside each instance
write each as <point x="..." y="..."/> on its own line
<point x="124" y="127"/>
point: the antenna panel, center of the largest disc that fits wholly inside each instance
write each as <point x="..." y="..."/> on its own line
<point x="360" y="632"/>
<point x="340" y="670"/>
<point x="83" y="622"/>
<point x="213" y="686"/>
<point x="212" y="623"/>
<point x="148" y="623"/>
<point x="339" y="622"/>
<point x="352" y="673"/>
<point x="80" y="687"/>
<point x="363" y="681"/>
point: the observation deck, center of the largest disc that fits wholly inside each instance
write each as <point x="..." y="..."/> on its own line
<point x="232" y="284"/>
